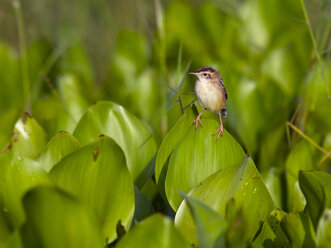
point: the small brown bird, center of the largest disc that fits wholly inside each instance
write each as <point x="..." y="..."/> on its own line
<point x="211" y="94"/>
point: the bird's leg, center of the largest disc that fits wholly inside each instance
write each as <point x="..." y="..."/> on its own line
<point x="198" y="119"/>
<point x="220" y="130"/>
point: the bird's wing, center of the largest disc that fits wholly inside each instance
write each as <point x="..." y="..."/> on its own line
<point x="223" y="89"/>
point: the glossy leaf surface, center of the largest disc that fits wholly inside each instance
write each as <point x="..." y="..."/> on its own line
<point x="97" y="175"/>
<point x="174" y="136"/>
<point x="60" y="220"/>
<point x="208" y="223"/>
<point x="198" y="156"/>
<point x="124" y="128"/>
<point x="58" y="147"/>
<point x="17" y="175"/>
<point x="155" y="231"/>
<point x="243" y="183"/>
<point x="29" y="138"/>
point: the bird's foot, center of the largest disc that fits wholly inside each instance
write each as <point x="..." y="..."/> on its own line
<point x="219" y="131"/>
<point x="196" y="122"/>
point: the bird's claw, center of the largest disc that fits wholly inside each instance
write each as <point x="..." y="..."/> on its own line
<point x="219" y="131"/>
<point x="196" y="122"/>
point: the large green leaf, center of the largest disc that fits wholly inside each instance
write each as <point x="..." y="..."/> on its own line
<point x="17" y="175"/>
<point x="58" y="147"/>
<point x="155" y="231"/>
<point x="174" y="136"/>
<point x="56" y="219"/>
<point x="198" y="156"/>
<point x="29" y="138"/>
<point x="128" y="131"/>
<point x="299" y="230"/>
<point x="208" y="223"/>
<point x="272" y="234"/>
<point x="312" y="184"/>
<point x="241" y="182"/>
<point x="98" y="176"/>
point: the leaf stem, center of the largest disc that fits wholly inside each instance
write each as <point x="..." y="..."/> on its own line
<point x="317" y="146"/>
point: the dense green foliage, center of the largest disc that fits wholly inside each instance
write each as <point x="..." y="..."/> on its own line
<point x="97" y="142"/>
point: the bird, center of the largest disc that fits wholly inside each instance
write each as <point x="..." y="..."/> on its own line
<point x="211" y="94"/>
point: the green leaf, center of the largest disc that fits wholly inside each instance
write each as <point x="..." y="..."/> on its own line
<point x="198" y="156"/>
<point x="273" y="179"/>
<point x="156" y="230"/>
<point x="8" y="119"/>
<point x="70" y="92"/>
<point x="174" y="136"/>
<point x="59" y="220"/>
<point x="272" y="234"/>
<point x="98" y="176"/>
<point x="128" y="131"/>
<point x="281" y="66"/>
<point x="209" y="224"/>
<point x="254" y="29"/>
<point x="243" y="183"/>
<point x="273" y="144"/>
<point x="300" y="158"/>
<point x="325" y="180"/>
<point x="58" y="147"/>
<point x="5" y="229"/>
<point x="29" y="138"/>
<point x="17" y="175"/>
<point x="237" y="227"/>
<point x="299" y="230"/>
<point x="143" y="208"/>
<point x="248" y="113"/>
<point x="311" y="185"/>
<point x="15" y="240"/>
<point x="149" y="190"/>
<point x="324" y="229"/>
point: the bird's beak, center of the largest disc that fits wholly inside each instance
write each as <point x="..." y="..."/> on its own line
<point x="193" y="73"/>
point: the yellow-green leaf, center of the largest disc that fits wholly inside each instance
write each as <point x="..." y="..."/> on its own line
<point x="98" y="176"/>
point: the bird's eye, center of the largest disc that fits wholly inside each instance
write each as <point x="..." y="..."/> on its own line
<point x="204" y="74"/>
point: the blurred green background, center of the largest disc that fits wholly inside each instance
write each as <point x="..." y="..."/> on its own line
<point x="59" y="57"/>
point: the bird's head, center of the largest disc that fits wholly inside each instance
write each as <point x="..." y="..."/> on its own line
<point x="207" y="73"/>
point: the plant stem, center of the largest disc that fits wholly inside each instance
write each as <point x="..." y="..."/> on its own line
<point x="24" y="55"/>
<point x="320" y="61"/>
<point x="317" y="146"/>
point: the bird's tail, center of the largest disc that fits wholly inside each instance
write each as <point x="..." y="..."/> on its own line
<point x="224" y="112"/>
